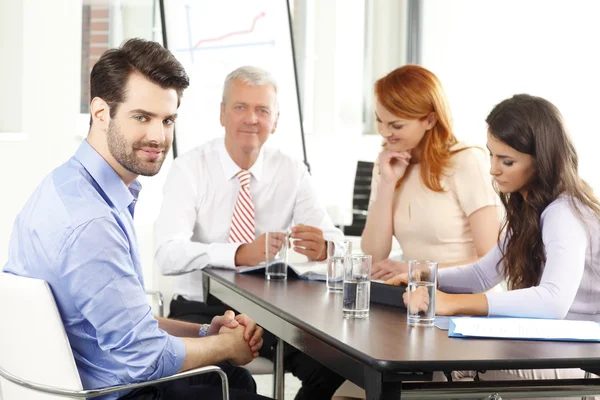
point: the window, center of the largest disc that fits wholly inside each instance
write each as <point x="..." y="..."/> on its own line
<point x="487" y="51"/>
<point x="106" y="24"/>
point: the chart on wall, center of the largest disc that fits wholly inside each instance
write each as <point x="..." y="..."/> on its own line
<point x="212" y="38"/>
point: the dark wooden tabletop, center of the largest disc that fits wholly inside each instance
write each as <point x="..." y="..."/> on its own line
<point x="385" y="342"/>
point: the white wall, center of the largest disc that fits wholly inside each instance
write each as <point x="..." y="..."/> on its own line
<point x="333" y="119"/>
<point x="486" y="51"/>
<point x="50" y="35"/>
<point x="11" y="19"/>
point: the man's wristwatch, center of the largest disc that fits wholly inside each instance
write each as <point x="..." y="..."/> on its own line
<point x="204" y="330"/>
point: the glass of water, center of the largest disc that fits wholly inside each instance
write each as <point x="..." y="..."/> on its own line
<point x="422" y="284"/>
<point x="335" y="264"/>
<point x="276" y="250"/>
<point x="357" y="285"/>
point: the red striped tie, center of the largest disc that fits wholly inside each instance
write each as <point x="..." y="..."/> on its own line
<point x="242" y="223"/>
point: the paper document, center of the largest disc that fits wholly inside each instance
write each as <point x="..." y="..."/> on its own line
<point x="525" y="328"/>
<point x="310" y="270"/>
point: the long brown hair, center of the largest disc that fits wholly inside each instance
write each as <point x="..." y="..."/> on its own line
<point x="413" y="92"/>
<point x="534" y="126"/>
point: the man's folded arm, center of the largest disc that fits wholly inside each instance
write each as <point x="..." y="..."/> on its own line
<point x="96" y="268"/>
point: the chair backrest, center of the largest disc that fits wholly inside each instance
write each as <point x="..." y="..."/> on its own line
<point x="33" y="342"/>
<point x="360" y="198"/>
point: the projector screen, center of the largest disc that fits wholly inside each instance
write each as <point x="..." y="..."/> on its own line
<point x="211" y="39"/>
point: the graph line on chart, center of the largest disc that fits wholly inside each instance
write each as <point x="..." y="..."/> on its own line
<point x="228" y="46"/>
<point x="230" y="34"/>
<point x="200" y="44"/>
<point x="189" y="30"/>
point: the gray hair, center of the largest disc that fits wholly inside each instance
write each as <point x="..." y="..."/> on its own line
<point x="253" y="76"/>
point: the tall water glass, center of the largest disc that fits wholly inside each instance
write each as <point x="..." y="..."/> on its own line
<point x="276" y="250"/>
<point x="422" y="284"/>
<point x="357" y="285"/>
<point x="335" y="264"/>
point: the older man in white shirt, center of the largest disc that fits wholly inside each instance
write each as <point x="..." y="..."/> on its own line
<point x="221" y="198"/>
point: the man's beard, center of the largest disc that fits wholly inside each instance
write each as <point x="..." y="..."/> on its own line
<point x="117" y="145"/>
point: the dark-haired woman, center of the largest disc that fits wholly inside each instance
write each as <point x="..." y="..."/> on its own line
<point x="550" y="251"/>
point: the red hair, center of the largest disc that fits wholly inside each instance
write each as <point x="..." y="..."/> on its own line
<point x="412" y="92"/>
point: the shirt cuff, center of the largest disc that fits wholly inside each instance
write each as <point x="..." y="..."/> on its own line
<point x="223" y="254"/>
<point x="503" y="305"/>
<point x="179" y="352"/>
<point x="440" y="277"/>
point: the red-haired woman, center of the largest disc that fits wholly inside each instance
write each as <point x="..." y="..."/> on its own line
<point x="430" y="191"/>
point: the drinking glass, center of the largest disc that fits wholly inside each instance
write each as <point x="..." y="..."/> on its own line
<point x="276" y="250"/>
<point x="336" y="251"/>
<point x="357" y="285"/>
<point x="422" y="285"/>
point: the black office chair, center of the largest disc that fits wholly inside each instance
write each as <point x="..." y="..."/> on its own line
<point x="360" y="198"/>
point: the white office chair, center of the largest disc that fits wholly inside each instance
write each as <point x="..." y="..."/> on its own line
<point x="36" y="361"/>
<point x="158" y="298"/>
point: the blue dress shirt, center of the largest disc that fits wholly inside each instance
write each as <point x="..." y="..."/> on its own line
<point x="76" y="232"/>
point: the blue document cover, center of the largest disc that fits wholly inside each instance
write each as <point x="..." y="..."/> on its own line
<point x="524" y="329"/>
<point x="442" y="322"/>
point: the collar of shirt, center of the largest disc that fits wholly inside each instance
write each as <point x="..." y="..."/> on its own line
<point x="107" y="178"/>
<point x="230" y="168"/>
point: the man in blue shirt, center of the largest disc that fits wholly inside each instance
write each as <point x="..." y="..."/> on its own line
<point x="76" y="232"/>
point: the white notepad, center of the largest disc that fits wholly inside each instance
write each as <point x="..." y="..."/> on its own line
<point x="525" y="328"/>
<point x="310" y="270"/>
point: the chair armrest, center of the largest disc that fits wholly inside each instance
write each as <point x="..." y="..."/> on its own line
<point x="83" y="394"/>
<point x="359" y="212"/>
<point x="159" y="300"/>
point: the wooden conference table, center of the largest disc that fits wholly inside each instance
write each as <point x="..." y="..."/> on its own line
<point x="388" y="358"/>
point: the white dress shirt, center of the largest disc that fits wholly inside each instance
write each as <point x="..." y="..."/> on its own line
<point x="192" y="229"/>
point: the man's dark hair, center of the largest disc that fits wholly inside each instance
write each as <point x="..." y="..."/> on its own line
<point x="149" y="59"/>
